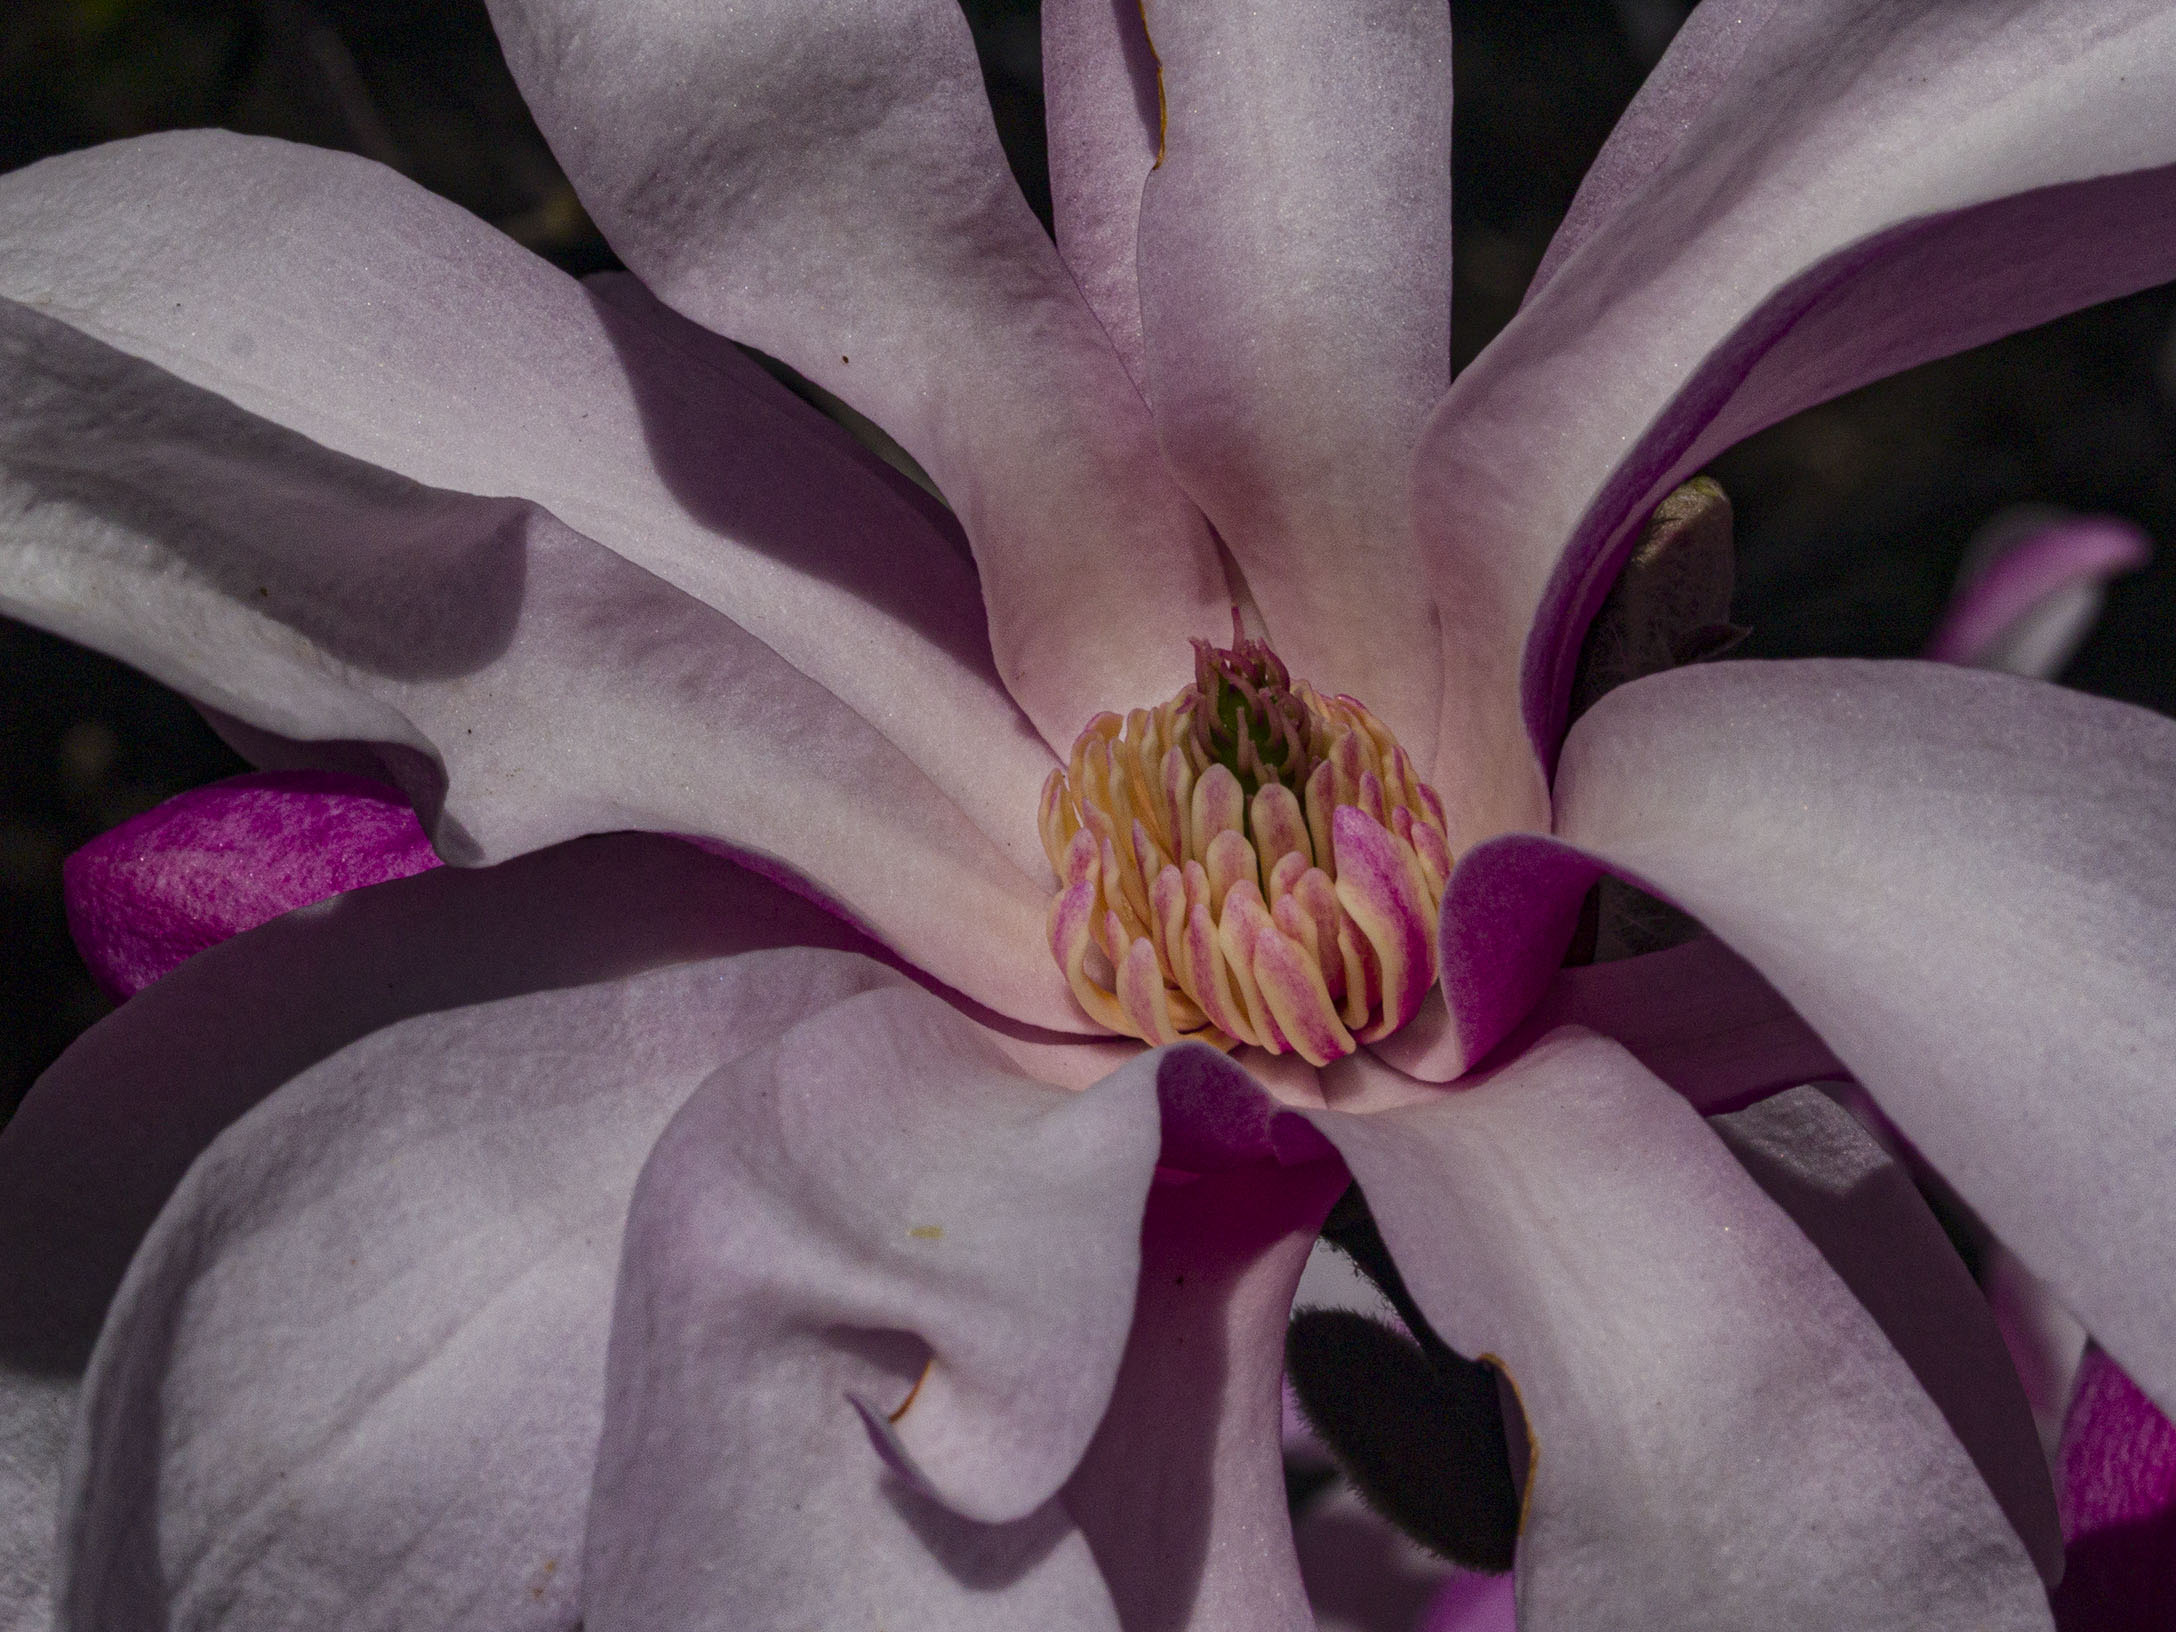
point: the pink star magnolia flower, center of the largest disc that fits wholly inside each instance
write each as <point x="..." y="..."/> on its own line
<point x="626" y="1244"/>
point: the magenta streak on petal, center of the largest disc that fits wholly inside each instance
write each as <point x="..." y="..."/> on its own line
<point x="2079" y="550"/>
<point x="1181" y="1494"/>
<point x="2118" y="1457"/>
<point x="1473" y="1603"/>
<point x="2117" y="1472"/>
<point x="1836" y="325"/>
<point x="155" y="891"/>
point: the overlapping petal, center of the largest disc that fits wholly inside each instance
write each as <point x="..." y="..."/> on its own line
<point x="881" y="1210"/>
<point x="1182" y="1492"/>
<point x="353" y="1376"/>
<point x="1720" y="1434"/>
<point x="333" y="297"/>
<point x="1104" y="114"/>
<point x="1960" y="879"/>
<point x="1702" y="55"/>
<point x="844" y="206"/>
<point x="1873" y="185"/>
<point x="500" y="654"/>
<point x="100" y="1144"/>
<point x="1859" y="1207"/>
<point x="1295" y="279"/>
<point x="1697" y="1015"/>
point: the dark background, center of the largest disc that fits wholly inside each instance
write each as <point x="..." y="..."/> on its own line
<point x="1852" y="517"/>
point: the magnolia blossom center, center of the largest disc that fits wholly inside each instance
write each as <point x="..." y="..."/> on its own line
<point x="1250" y="862"/>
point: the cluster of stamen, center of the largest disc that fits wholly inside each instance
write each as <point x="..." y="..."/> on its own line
<point x="1249" y="862"/>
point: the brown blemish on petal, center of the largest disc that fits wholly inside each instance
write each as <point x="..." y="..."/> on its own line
<point x="1526" y="1451"/>
<point x="1163" y="108"/>
<point x="913" y="1393"/>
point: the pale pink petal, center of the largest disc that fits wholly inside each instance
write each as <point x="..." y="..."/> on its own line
<point x="1295" y="273"/>
<point x="845" y="207"/>
<point x="1698" y="1015"/>
<point x="878" y="1292"/>
<point x="155" y="891"/>
<point x="1857" y="1204"/>
<point x="104" y="1137"/>
<point x="1701" y="1013"/>
<point x="2032" y="596"/>
<point x="1964" y="881"/>
<point x="2118" y="1468"/>
<point x="355" y="1375"/>
<point x="822" y="1346"/>
<point x="1105" y="121"/>
<point x="1872" y="187"/>
<point x="1721" y="1435"/>
<point x="1703" y="54"/>
<point x="530" y="684"/>
<point x="336" y="298"/>
<point x="2045" y="1341"/>
<point x="1182" y="1492"/>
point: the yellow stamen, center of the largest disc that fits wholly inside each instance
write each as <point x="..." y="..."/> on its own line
<point x="1208" y="886"/>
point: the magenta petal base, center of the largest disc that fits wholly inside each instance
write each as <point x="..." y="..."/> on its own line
<point x="2118" y="1474"/>
<point x="154" y="892"/>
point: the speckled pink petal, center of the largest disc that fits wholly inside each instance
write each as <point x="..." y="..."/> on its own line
<point x="1295" y="277"/>
<point x="1869" y="187"/>
<point x="1722" y="1436"/>
<point x="2026" y="607"/>
<point x="845" y="207"/>
<point x="2118" y="1470"/>
<point x="334" y="297"/>
<point x="1964" y="881"/>
<point x="158" y="889"/>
